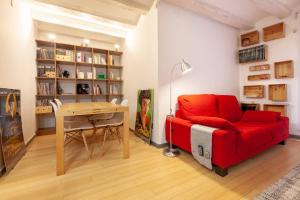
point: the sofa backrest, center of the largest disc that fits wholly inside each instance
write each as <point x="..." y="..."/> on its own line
<point x="199" y="104"/>
<point x="224" y="106"/>
<point x="229" y="108"/>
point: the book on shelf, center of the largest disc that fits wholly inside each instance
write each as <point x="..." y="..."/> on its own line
<point x="97" y="89"/>
<point x="46" y="88"/>
<point x="100" y="59"/>
<point x="83" y="57"/>
<point x="45" y="53"/>
<point x="42" y="69"/>
<point x="64" y="55"/>
<point x="43" y="102"/>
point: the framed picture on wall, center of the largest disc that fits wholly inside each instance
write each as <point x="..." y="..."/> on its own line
<point x="144" y="114"/>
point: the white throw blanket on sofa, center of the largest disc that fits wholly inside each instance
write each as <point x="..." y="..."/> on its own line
<point x="201" y="142"/>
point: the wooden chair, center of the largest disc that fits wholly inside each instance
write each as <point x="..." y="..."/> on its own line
<point x="74" y="130"/>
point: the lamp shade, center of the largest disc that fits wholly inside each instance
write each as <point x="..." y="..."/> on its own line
<point x="185" y="67"/>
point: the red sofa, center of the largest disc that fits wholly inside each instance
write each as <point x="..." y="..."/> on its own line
<point x="240" y="135"/>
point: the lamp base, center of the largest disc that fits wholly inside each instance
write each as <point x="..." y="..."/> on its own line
<point x="171" y="153"/>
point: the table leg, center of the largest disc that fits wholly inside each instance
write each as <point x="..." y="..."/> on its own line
<point x="60" y="152"/>
<point x="126" y="135"/>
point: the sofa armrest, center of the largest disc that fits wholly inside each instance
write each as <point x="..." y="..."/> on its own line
<point x="181" y="130"/>
<point x="224" y="148"/>
<point x="260" y="116"/>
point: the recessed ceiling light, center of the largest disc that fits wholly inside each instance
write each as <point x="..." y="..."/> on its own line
<point x="117" y="47"/>
<point x="51" y="36"/>
<point x="86" y="41"/>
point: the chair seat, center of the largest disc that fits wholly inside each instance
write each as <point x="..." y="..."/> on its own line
<point x="111" y="122"/>
<point x="77" y="125"/>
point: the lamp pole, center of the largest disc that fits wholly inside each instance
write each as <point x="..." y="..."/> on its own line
<point x="170" y="152"/>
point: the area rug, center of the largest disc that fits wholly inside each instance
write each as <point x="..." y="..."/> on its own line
<point x="286" y="188"/>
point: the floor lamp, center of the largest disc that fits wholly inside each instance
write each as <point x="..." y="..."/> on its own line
<point x="184" y="67"/>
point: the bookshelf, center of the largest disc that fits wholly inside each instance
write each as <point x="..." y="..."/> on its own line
<point x="62" y="67"/>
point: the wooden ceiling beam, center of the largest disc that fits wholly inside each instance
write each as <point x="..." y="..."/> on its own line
<point x="132" y="4"/>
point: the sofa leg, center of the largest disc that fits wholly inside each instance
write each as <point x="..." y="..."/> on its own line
<point x="282" y="143"/>
<point x="220" y="171"/>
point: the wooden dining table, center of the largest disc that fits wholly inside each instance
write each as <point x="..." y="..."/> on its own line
<point x="86" y="108"/>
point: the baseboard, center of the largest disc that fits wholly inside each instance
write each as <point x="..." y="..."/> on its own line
<point x="27" y="143"/>
<point x="295" y="136"/>
<point x="153" y="143"/>
<point x="163" y="145"/>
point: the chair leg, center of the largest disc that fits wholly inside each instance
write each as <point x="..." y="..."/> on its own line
<point x="85" y="144"/>
<point x="104" y="137"/>
<point x="118" y="135"/>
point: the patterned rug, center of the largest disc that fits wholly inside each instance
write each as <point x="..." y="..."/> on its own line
<point x="286" y="188"/>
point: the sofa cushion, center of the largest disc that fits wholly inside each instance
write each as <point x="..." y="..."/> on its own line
<point x="260" y="116"/>
<point x="229" y="108"/>
<point x="202" y="104"/>
<point x="215" y="122"/>
<point x="253" y="136"/>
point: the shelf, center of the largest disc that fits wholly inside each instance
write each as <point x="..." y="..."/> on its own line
<point x="115" y="66"/>
<point x="259" y="68"/>
<point x="85" y="49"/>
<point x="66" y="79"/>
<point x="45" y="78"/>
<point x="84" y="79"/>
<point x="115" y="53"/>
<point x="253" y="54"/>
<point x="44" y="95"/>
<point x="249" y="106"/>
<point x="100" y="65"/>
<point x="119" y="81"/>
<point x="82" y="95"/>
<point x="45" y="61"/>
<point x="100" y="80"/>
<point x="64" y="62"/>
<point x="100" y="95"/>
<point x="41" y="43"/>
<point x="66" y="95"/>
<point x="81" y="64"/>
<point x="115" y="94"/>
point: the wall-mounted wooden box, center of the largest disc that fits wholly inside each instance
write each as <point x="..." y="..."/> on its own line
<point x="254" y="91"/>
<point x="253" y="54"/>
<point x="251" y="38"/>
<point x="273" y="32"/>
<point x="259" y="77"/>
<point x="284" y="69"/>
<point x="259" y="67"/>
<point x="278" y="92"/>
<point x="276" y="108"/>
<point x="249" y="106"/>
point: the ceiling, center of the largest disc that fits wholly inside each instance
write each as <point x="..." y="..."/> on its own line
<point x="124" y="11"/>
<point x="108" y="20"/>
<point x="241" y="14"/>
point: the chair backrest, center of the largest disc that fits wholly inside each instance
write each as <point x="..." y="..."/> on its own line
<point x="114" y="101"/>
<point x="124" y="102"/>
<point x="58" y="102"/>
<point x="54" y="106"/>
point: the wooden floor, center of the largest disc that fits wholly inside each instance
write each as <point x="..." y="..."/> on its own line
<point x="146" y="175"/>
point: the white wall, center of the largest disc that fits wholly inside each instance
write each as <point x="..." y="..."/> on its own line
<point x="210" y="47"/>
<point x="17" y="58"/>
<point x="278" y="50"/>
<point x="141" y="63"/>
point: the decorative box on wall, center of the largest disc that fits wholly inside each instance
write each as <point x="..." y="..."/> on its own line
<point x="273" y="32"/>
<point x="254" y="91"/>
<point x="276" y="108"/>
<point x="284" y="69"/>
<point x="259" y="67"/>
<point x="278" y="92"/>
<point x="259" y="77"/>
<point x="253" y="54"/>
<point x="251" y="38"/>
